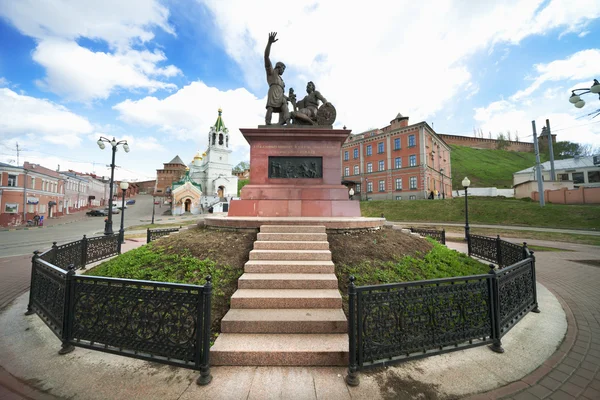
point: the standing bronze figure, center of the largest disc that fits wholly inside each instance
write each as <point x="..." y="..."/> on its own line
<point x="276" y="98"/>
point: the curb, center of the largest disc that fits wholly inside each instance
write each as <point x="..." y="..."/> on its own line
<point x="28" y="228"/>
<point x="547" y="366"/>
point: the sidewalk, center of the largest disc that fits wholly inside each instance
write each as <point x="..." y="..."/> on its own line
<point x="406" y="224"/>
<point x="48" y="223"/>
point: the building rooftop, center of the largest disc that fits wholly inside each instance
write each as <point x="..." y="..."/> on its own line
<point x="176" y="160"/>
<point x="568" y="163"/>
<point x="9" y="165"/>
<point x="219" y="125"/>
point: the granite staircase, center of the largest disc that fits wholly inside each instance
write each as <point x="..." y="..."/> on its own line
<point x="287" y="309"/>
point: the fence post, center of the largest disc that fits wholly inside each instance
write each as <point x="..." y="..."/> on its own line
<point x="84" y="247"/>
<point x="525" y="251"/>
<point x="469" y="245"/>
<point x="499" y="252"/>
<point x="443" y="236"/>
<point x="67" y="317"/>
<point x="55" y="253"/>
<point x="205" y="376"/>
<point x="497" y="345"/>
<point x="31" y="283"/>
<point x="118" y="237"/>
<point x="148" y="235"/>
<point x="535" y="309"/>
<point x="352" y="377"/>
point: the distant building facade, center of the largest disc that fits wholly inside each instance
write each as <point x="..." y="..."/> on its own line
<point x="581" y="171"/>
<point x="171" y="172"/>
<point x="397" y="162"/>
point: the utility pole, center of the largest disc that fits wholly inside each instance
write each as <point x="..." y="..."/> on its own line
<point x="551" y="150"/>
<point x="538" y="166"/>
<point x="18" y="154"/>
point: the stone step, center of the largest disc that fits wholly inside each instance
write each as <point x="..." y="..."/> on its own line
<point x="292" y="229"/>
<point x="291" y="255"/>
<point x="291" y="245"/>
<point x="292" y="236"/>
<point x="286" y="298"/>
<point x="289" y="267"/>
<point x="319" y="320"/>
<point x="280" y="349"/>
<point x="287" y="281"/>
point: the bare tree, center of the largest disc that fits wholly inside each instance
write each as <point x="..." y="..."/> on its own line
<point x="516" y="136"/>
<point x="508" y="135"/>
<point x="490" y="135"/>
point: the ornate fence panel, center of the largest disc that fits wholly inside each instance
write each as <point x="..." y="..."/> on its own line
<point x="510" y="253"/>
<point x="398" y="322"/>
<point x="47" y="294"/>
<point x="164" y="322"/>
<point x="101" y="247"/>
<point x="517" y="294"/>
<point x="70" y="254"/>
<point x="153" y="234"/>
<point x="439" y="236"/>
<point x="483" y="247"/>
<point x="48" y="255"/>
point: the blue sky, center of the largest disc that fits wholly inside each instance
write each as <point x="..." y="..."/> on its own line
<point x="155" y="72"/>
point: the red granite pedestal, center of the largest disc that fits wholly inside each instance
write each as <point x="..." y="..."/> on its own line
<point x="295" y="197"/>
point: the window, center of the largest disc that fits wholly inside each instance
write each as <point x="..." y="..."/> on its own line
<point x="357" y="188"/>
<point x="381" y="165"/>
<point x="356" y="170"/>
<point x="593" y="176"/>
<point x="397" y="144"/>
<point x="369" y="187"/>
<point x="398" y="183"/>
<point x="12" y="180"/>
<point x="398" y="162"/>
<point x="32" y="183"/>
<point x="411" y="141"/>
<point x="42" y="208"/>
<point x="412" y="161"/>
<point x="563" y="177"/>
<point x="369" y="167"/>
<point x="11" y="208"/>
<point x="31" y="206"/>
<point x="346" y="171"/>
<point x="380" y="147"/>
<point x="355" y="153"/>
<point x="369" y="150"/>
<point x="578" y="177"/>
<point x="346" y="156"/>
<point x="398" y="197"/>
<point x="412" y="197"/>
<point x="382" y="186"/>
<point x="413" y="182"/>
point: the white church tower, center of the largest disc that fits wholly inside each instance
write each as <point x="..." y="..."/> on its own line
<point x="212" y="169"/>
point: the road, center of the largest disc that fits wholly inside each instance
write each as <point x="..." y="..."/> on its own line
<point x="24" y="242"/>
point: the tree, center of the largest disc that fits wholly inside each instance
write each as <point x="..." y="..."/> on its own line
<point x="501" y="142"/>
<point x="565" y="149"/>
<point x="508" y="135"/>
<point x="516" y="136"/>
<point x="241" y="167"/>
<point x="241" y="184"/>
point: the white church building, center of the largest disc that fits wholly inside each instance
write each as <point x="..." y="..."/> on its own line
<point x="212" y="171"/>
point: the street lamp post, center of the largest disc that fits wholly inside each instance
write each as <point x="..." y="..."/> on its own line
<point x="466" y="182"/>
<point x="114" y="144"/>
<point x="124" y="186"/>
<point x="575" y="98"/>
<point x="443" y="188"/>
<point x="153" y="205"/>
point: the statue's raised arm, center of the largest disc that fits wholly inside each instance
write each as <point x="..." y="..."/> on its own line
<point x="272" y="40"/>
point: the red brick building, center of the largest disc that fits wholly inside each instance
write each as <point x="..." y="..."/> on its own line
<point x="397" y="162"/>
<point x="172" y="171"/>
<point x="29" y="190"/>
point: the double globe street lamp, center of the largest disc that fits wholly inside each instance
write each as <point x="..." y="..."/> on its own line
<point x="108" y="225"/>
<point x="576" y="99"/>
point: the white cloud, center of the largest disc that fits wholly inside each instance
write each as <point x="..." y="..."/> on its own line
<point x="189" y="113"/>
<point x="41" y="119"/>
<point x="3" y="81"/>
<point x="80" y="74"/>
<point x="374" y="59"/>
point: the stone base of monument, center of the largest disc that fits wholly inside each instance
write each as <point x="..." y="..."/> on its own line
<point x="295" y="173"/>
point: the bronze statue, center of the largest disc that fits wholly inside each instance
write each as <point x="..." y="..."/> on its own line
<point x="276" y="99"/>
<point x="305" y="111"/>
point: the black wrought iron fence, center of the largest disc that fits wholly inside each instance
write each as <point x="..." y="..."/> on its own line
<point x="82" y="252"/>
<point x="496" y="250"/>
<point x="101" y="247"/>
<point x="398" y="322"/>
<point x="153" y="234"/>
<point x="439" y="236"/>
<point x="156" y="321"/>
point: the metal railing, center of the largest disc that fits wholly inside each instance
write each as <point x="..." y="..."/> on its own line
<point x="439" y="236"/>
<point x="168" y="323"/>
<point x="496" y="250"/>
<point x="392" y="323"/>
<point x="153" y="234"/>
<point x="82" y="252"/>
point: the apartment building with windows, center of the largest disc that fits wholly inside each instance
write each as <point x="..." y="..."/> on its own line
<point x="397" y="162"/>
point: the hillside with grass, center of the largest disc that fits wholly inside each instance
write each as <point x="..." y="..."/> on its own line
<point x="488" y="168"/>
